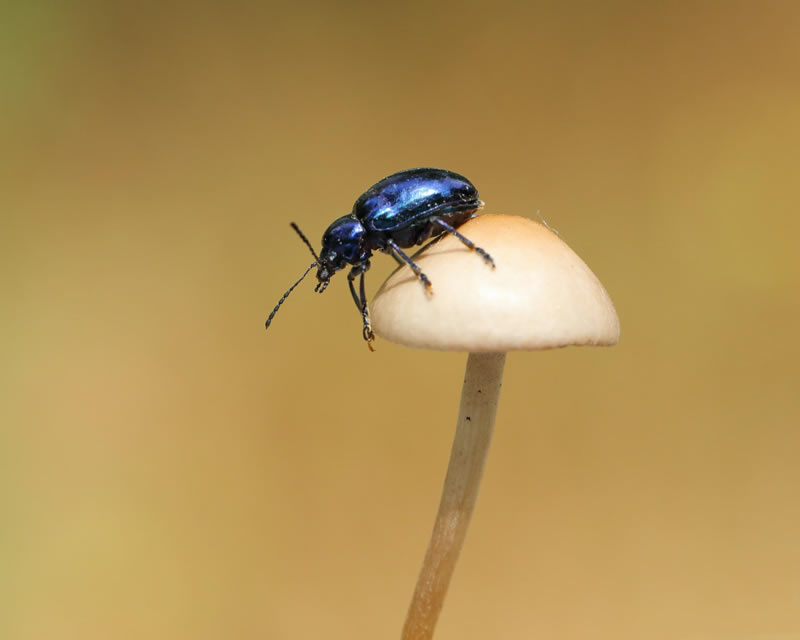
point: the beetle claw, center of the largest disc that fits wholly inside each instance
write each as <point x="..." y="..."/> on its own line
<point x="368" y="335"/>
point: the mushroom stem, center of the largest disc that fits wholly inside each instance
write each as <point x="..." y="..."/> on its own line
<point x="479" y="398"/>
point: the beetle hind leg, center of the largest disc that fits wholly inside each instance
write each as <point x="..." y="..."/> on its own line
<point x="398" y="252"/>
<point x="467" y="242"/>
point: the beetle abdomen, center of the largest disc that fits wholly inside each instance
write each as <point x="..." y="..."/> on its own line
<point x="407" y="198"/>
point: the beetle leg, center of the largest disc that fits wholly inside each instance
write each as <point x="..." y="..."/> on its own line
<point x="417" y="271"/>
<point x="467" y="242"/>
<point x="366" y="330"/>
<point x="361" y="302"/>
<point x="350" y="277"/>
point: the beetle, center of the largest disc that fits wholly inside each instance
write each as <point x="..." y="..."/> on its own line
<point x="400" y="211"/>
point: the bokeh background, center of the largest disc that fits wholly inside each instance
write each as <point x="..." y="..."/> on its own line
<point x="170" y="470"/>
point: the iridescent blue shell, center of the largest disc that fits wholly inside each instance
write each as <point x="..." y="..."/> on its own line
<point x="411" y="197"/>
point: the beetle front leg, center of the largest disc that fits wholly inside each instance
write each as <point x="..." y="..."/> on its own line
<point x="366" y="331"/>
<point x="361" y="301"/>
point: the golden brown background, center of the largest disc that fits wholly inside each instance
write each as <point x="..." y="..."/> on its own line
<point x="168" y="469"/>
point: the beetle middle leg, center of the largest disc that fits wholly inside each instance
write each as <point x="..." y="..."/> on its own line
<point x="361" y="301"/>
<point x="467" y="242"/>
<point x="414" y="267"/>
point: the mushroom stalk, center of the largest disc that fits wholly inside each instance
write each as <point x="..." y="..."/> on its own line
<point x="479" y="397"/>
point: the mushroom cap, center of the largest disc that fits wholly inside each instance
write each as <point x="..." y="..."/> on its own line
<point x="541" y="295"/>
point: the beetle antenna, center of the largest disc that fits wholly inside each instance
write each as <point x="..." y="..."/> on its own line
<point x="304" y="239"/>
<point x="286" y="295"/>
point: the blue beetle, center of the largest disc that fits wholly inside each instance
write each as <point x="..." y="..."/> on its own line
<point x="403" y="210"/>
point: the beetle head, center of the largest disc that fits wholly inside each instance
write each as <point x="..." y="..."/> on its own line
<point x="342" y="244"/>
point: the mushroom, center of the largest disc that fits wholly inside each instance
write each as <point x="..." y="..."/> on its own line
<point x="541" y="295"/>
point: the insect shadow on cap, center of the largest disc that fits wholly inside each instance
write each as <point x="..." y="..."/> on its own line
<point x="403" y="210"/>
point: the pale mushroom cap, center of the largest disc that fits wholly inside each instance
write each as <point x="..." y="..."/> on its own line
<point x="541" y="295"/>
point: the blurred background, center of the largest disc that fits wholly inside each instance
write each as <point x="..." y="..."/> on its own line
<point x="170" y="470"/>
